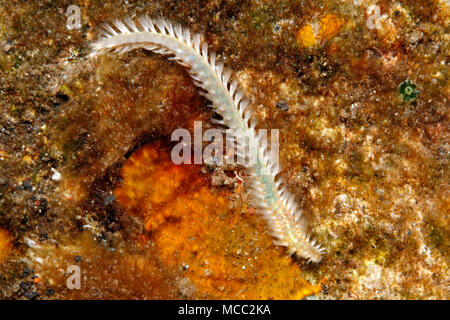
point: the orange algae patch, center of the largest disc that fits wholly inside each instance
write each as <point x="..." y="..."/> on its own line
<point x="330" y="26"/>
<point x="306" y="36"/>
<point x="215" y="242"/>
<point x="5" y="244"/>
<point x="327" y="28"/>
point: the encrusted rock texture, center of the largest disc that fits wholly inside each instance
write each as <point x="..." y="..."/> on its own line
<point x="359" y="93"/>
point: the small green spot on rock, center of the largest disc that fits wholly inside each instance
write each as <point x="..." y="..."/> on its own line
<point x="65" y="90"/>
<point x="407" y="90"/>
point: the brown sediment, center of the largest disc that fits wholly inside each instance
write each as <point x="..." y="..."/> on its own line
<point x="129" y="271"/>
<point x="5" y="244"/>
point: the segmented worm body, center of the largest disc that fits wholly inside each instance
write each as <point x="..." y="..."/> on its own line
<point x="278" y="207"/>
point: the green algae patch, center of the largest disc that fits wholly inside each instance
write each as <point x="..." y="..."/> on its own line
<point x="408" y="91"/>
